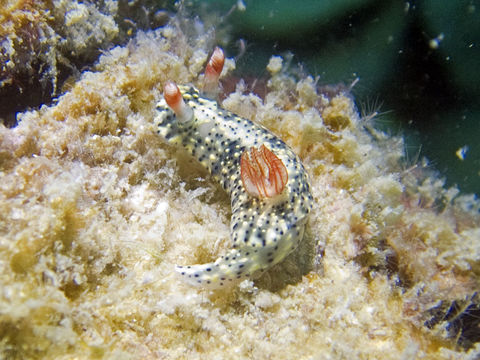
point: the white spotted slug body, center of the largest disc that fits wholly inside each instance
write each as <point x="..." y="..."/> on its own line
<point x="267" y="183"/>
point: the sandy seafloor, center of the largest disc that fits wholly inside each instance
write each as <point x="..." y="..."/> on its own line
<point x="95" y="210"/>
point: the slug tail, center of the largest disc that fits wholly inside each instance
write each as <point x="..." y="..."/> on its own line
<point x="226" y="270"/>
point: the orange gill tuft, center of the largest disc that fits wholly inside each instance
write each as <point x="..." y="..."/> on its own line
<point x="263" y="174"/>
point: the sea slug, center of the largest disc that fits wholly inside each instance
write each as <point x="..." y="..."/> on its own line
<point x="268" y="185"/>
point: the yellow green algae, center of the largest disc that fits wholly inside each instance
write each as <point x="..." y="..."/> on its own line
<point x="38" y="37"/>
<point x="95" y="210"/>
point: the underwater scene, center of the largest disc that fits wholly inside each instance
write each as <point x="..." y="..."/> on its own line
<point x="239" y="179"/>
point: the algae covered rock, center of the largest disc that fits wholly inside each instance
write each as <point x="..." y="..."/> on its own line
<point x="95" y="210"/>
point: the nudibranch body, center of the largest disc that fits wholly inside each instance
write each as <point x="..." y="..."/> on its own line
<point x="264" y="229"/>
